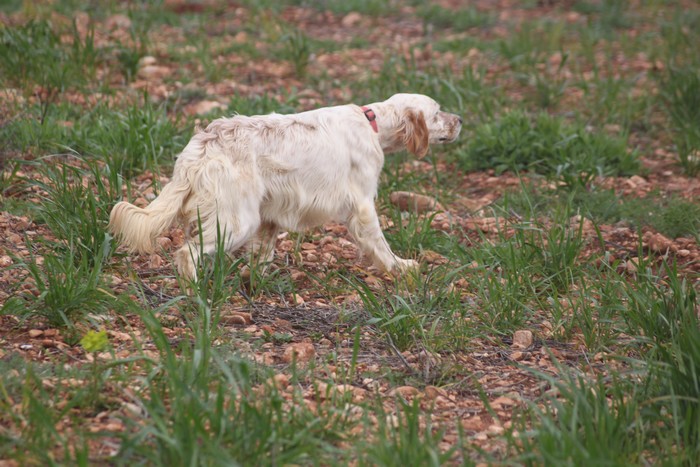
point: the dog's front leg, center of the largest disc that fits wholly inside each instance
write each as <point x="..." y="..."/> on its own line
<point x="364" y="226"/>
<point x="261" y="250"/>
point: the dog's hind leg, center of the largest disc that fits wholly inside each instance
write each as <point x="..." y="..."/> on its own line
<point x="223" y="215"/>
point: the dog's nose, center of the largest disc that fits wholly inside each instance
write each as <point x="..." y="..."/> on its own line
<point x="459" y="119"/>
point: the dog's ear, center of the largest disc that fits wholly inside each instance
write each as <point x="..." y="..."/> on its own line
<point x="414" y="133"/>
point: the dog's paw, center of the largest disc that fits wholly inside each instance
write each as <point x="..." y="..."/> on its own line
<point x="405" y="266"/>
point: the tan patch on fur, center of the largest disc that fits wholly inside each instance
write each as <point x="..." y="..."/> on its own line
<point x="415" y="133"/>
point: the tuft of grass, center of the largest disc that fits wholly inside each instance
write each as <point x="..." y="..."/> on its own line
<point x="128" y="60"/>
<point x="132" y="140"/>
<point x="637" y="416"/>
<point x="606" y="17"/>
<point x="37" y="132"/>
<point x="262" y="104"/>
<point x="680" y="92"/>
<point x="419" y="311"/>
<point x="673" y="216"/>
<point x="404" y="438"/>
<point x="72" y="210"/>
<point x="30" y="432"/>
<point x="598" y="422"/>
<point x="63" y="292"/>
<point x="297" y="49"/>
<point x="54" y="66"/>
<point x="200" y="408"/>
<point x="546" y="145"/>
<point x="342" y="7"/>
<point x="461" y="20"/>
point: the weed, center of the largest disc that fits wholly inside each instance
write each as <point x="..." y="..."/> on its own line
<point x="36" y="133"/>
<point x="403" y="439"/>
<point x="297" y="50"/>
<point x="423" y="311"/>
<point x="131" y="141"/>
<point x="658" y="307"/>
<point x="71" y="209"/>
<point x="65" y="292"/>
<point x="460" y="20"/>
<point x="547" y="145"/>
<point x="598" y="311"/>
<point x="200" y="408"/>
<point x="128" y="59"/>
<point x="341" y="7"/>
<point x="680" y="90"/>
<point x="262" y="104"/>
<point x="413" y="235"/>
<point x="598" y="421"/>
<point x="679" y="372"/>
<point x="54" y="66"/>
<point x="606" y="16"/>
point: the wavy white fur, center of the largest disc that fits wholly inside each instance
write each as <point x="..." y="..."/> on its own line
<point x="255" y="176"/>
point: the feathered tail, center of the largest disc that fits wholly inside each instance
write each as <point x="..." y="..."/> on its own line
<point x="137" y="228"/>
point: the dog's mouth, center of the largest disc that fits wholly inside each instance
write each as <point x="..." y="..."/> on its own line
<point x="446" y="139"/>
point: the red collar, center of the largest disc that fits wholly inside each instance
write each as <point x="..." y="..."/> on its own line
<point x="372" y="117"/>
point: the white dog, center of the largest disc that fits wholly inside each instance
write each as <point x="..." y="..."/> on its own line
<point x="250" y="177"/>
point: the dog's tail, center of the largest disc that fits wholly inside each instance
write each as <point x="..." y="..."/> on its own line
<point x="137" y="228"/>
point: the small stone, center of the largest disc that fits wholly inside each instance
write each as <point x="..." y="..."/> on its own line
<point x="117" y="21"/>
<point x="302" y="352"/>
<point x="5" y="261"/>
<point x="34" y="333"/>
<point x="284" y="325"/>
<point x="495" y="430"/>
<point x="404" y="391"/>
<point x="155" y="261"/>
<point x="298" y="299"/>
<point x="433" y="392"/>
<point x="147" y="60"/>
<point x="203" y="107"/>
<point x="153" y="72"/>
<point x="683" y="253"/>
<point x="413" y="202"/>
<point x="132" y="408"/>
<point x="164" y="242"/>
<point x="502" y="402"/>
<point x="312" y="258"/>
<point x="351" y="19"/>
<point x="632" y="265"/>
<point x="522" y="339"/>
<point x="517" y="356"/>
<point x="281" y="381"/>
<point x="237" y="317"/>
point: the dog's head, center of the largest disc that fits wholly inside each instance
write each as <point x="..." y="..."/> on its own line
<point x="422" y="123"/>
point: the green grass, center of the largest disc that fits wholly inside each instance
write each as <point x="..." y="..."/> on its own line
<point x="63" y="292"/>
<point x="547" y="145"/>
<point x="680" y="91"/>
<point x="672" y="216"/>
<point x="459" y="20"/>
<point x="565" y="101"/>
<point x="56" y="66"/>
<point x="630" y="418"/>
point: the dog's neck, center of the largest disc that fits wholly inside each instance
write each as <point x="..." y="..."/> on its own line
<point x="387" y="121"/>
